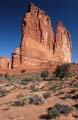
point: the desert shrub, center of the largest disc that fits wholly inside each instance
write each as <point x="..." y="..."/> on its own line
<point x="57" y="110"/>
<point x="62" y="71"/>
<point x="45" y="74"/>
<point x="29" y="99"/>
<point x="7" y="76"/>
<point x="23" y="71"/>
<point x="22" y="100"/>
<point x="53" y="88"/>
<point x="46" y="95"/>
<point x="4" y="92"/>
<point x="34" y="88"/>
<point x="19" y="103"/>
<point x="20" y="96"/>
<point x="26" y="80"/>
<point x="36" y="99"/>
<point x="63" y="109"/>
<point x="53" y="112"/>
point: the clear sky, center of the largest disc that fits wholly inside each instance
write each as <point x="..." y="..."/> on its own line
<point x="11" y="16"/>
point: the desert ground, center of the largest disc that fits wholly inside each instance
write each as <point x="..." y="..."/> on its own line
<point x="28" y="96"/>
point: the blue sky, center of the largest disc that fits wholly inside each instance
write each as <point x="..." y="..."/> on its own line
<point x="11" y="16"/>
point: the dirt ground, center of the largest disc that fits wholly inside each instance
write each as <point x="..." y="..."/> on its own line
<point x="58" y="89"/>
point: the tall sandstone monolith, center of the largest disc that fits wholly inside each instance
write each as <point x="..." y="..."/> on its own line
<point x="62" y="43"/>
<point x="38" y="45"/>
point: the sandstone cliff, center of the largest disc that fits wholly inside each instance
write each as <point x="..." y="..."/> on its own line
<point x="62" y="43"/>
<point x="38" y="46"/>
<point x="5" y="62"/>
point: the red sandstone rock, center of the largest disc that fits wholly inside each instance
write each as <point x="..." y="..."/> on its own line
<point x="62" y="43"/>
<point x="37" y="37"/>
<point x="38" y="47"/>
<point x="5" y="62"/>
<point x="16" y="58"/>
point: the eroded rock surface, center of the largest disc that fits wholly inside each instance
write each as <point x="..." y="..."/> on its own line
<point x="63" y="43"/>
<point x="38" y="45"/>
<point x="5" y="62"/>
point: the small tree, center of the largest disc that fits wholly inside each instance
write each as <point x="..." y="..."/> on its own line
<point x="45" y="74"/>
<point x="62" y="71"/>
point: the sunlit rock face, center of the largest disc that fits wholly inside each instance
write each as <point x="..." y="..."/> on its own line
<point x="63" y="43"/>
<point x="5" y="62"/>
<point x="37" y="36"/>
<point x="38" y="45"/>
<point x="16" y="58"/>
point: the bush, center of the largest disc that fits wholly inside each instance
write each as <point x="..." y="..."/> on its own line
<point x="62" y="71"/>
<point x="23" y="100"/>
<point x="4" y="92"/>
<point x="45" y="74"/>
<point x="57" y="110"/>
<point x="23" y="71"/>
<point x="63" y="109"/>
<point x="26" y="80"/>
<point x="46" y="95"/>
<point x="53" y="112"/>
<point x="36" y="99"/>
<point x="7" y="76"/>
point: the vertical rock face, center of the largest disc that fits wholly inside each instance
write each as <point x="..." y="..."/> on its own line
<point x="63" y="43"/>
<point x="37" y="35"/>
<point x="37" y="25"/>
<point x="5" y="62"/>
<point x="37" y="44"/>
<point x="16" y="58"/>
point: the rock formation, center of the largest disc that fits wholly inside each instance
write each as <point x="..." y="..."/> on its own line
<point x="5" y="62"/>
<point x="62" y="43"/>
<point x="38" y="46"/>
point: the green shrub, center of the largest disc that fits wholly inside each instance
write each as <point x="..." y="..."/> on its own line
<point x="62" y="71"/>
<point x="26" y="80"/>
<point x="7" y="76"/>
<point x="46" y="95"/>
<point x="63" y="109"/>
<point x="57" y="110"/>
<point x="23" y="100"/>
<point x="53" y="112"/>
<point x="45" y="74"/>
<point x="36" y="99"/>
<point x="4" y="92"/>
